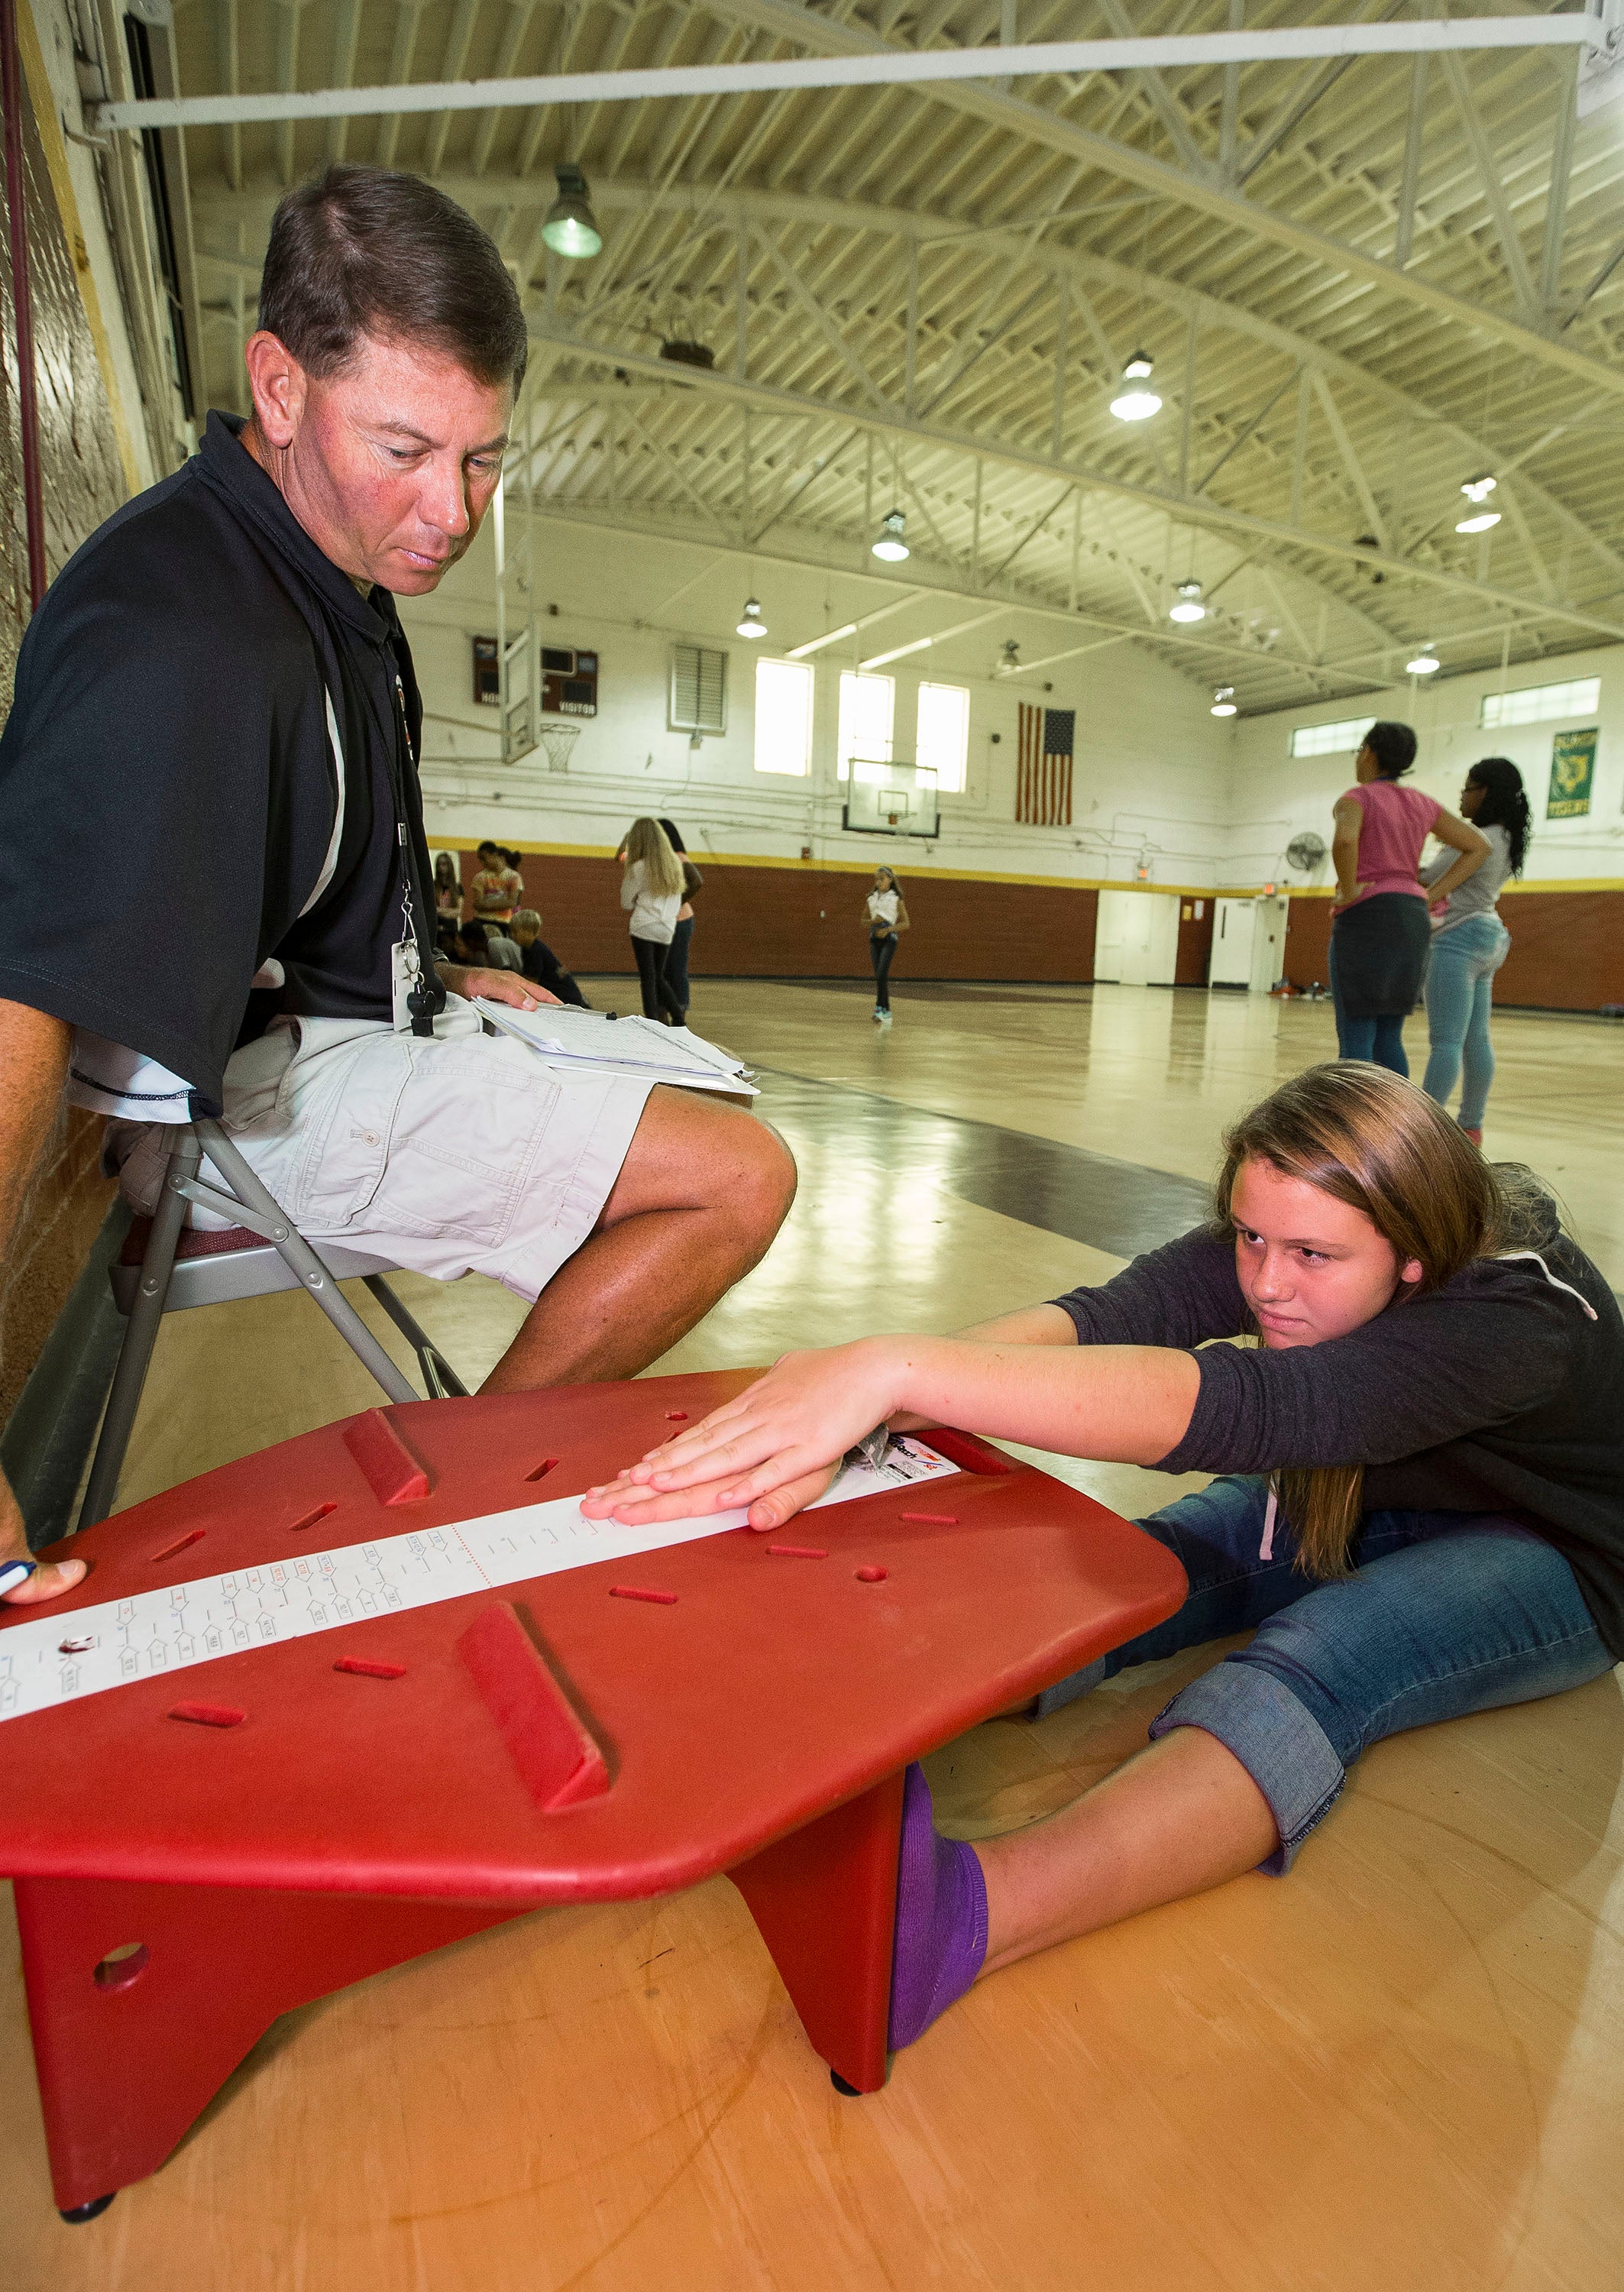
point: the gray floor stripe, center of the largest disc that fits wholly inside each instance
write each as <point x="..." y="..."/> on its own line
<point x="1110" y="1205"/>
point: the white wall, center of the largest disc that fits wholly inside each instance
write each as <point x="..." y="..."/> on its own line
<point x="1275" y="794"/>
<point x="1149" y="772"/>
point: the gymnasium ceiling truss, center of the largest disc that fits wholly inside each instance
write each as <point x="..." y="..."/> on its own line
<point x="1364" y="279"/>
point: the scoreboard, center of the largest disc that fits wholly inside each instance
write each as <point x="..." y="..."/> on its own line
<point x="569" y="681"/>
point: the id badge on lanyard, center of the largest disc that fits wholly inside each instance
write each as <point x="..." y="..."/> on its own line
<point x="415" y="997"/>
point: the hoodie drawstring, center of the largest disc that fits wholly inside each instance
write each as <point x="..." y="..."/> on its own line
<point x="1505" y="1254"/>
<point x="1266" y="1550"/>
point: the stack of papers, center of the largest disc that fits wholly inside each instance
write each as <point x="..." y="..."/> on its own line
<point x="563" y="1036"/>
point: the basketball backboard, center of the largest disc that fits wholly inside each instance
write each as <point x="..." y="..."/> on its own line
<point x="894" y="799"/>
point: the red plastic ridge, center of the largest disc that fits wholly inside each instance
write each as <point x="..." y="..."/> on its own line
<point x="208" y="1715"/>
<point x="559" y="1761"/>
<point x="392" y="1472"/>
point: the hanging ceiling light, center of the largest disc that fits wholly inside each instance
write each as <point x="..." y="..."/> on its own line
<point x="1479" y="520"/>
<point x="569" y="226"/>
<point x="1189" y="607"/>
<point x="890" y="544"/>
<point x="752" y="624"/>
<point x="1425" y="664"/>
<point x="1224" y="701"/>
<point x="1135" y="401"/>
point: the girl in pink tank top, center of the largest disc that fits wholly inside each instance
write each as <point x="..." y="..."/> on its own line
<point x="1397" y="822"/>
<point x="1380" y="932"/>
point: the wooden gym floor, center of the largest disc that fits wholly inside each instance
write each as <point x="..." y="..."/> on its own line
<point x="1402" y="2066"/>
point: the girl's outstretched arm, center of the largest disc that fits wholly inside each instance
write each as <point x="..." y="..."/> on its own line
<point x="1127" y="1404"/>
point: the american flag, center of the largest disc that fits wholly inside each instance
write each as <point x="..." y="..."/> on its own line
<point x="1043" y="782"/>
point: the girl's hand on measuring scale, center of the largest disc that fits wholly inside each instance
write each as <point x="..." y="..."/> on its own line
<point x="790" y="1425"/>
<point x="636" y="1506"/>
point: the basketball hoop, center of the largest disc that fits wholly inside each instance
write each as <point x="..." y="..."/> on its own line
<point x="557" y="740"/>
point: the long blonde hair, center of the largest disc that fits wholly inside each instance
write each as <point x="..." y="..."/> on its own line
<point x="1366" y="1137"/>
<point x="648" y="846"/>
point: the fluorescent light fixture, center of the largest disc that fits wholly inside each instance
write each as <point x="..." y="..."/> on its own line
<point x="817" y="644"/>
<point x="1425" y="664"/>
<point x="900" y="652"/>
<point x="570" y="228"/>
<point x="1224" y="701"/>
<point x="1479" y="520"/>
<point x="890" y="544"/>
<point x="752" y="624"/>
<point x="1189" y="607"/>
<point x="1135" y="401"/>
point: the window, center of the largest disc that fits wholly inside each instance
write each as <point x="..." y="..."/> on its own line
<point x="867" y="704"/>
<point x="943" y="737"/>
<point x="783" y="716"/>
<point x="698" y="689"/>
<point x="1537" y="704"/>
<point x="1332" y="739"/>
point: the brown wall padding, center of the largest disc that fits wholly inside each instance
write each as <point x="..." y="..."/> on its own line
<point x="1567" y="949"/>
<point x="807" y="923"/>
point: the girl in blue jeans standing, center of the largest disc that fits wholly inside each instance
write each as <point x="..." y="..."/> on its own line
<point x="1470" y="943"/>
<point x="1423" y="1516"/>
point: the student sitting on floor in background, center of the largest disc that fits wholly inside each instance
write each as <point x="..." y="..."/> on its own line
<point x="1428" y="1518"/>
<point x="482" y="944"/>
<point x="538" y="962"/>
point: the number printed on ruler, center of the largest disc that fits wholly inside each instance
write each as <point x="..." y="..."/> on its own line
<point x="56" y="1657"/>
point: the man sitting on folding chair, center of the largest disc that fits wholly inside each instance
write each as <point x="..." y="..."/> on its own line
<point x="208" y="787"/>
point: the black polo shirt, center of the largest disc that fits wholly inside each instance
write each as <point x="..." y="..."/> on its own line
<point x="168" y="785"/>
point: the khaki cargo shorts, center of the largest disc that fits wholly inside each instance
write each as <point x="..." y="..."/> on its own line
<point x="461" y="1154"/>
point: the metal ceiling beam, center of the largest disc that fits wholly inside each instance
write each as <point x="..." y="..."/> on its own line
<point x="1494" y="191"/>
<point x="1032" y="123"/>
<point x="919" y="232"/>
<point x="833" y="555"/>
<point x="878" y="65"/>
<point x="1196" y="511"/>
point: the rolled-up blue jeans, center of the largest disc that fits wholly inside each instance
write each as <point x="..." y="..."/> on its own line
<point x="1445" y="1612"/>
<point x="1459" y="992"/>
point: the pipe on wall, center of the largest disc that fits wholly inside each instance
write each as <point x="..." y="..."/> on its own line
<point x="22" y="307"/>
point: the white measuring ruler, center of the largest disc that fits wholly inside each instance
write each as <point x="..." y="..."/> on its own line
<point x="52" y="1658"/>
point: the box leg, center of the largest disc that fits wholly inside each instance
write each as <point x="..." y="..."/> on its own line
<point x="142" y="1999"/>
<point x="825" y="1901"/>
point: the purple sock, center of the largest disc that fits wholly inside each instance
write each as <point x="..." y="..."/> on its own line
<point x="941" y="1918"/>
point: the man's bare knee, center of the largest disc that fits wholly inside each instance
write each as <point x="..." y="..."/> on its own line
<point x="767" y="1181"/>
<point x="700" y="1153"/>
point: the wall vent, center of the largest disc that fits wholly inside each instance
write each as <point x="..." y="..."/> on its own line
<point x="698" y="688"/>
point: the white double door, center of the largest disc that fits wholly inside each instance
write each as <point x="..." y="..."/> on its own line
<point x="1249" y="942"/>
<point x="1135" y="938"/>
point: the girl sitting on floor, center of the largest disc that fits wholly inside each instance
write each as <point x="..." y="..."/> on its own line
<point x="1427" y="1516"/>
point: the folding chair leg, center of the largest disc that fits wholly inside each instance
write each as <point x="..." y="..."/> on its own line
<point x="140" y="1336"/>
<point x="440" y="1380"/>
<point x="295" y="1252"/>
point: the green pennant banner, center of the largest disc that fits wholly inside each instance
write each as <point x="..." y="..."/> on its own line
<point x="1572" y="770"/>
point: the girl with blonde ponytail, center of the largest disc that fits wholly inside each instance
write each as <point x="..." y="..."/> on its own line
<point x="1423" y="1512"/>
<point x="651" y="893"/>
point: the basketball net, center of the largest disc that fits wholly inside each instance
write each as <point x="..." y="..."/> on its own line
<point x="557" y="740"/>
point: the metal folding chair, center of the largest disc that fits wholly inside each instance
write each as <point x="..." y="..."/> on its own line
<point x="261" y="1250"/>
